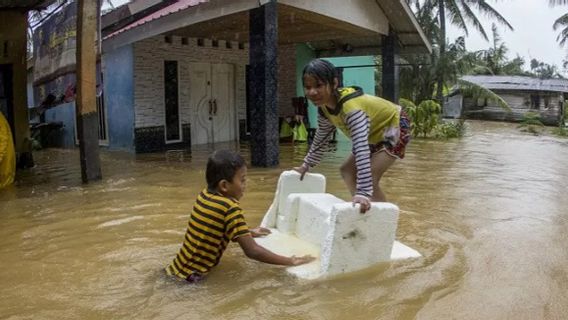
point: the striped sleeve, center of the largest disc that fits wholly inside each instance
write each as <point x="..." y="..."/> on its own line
<point x="236" y="225"/>
<point x="358" y="124"/>
<point x="321" y="140"/>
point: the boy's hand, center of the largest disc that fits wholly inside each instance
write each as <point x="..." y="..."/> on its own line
<point x="296" y="261"/>
<point x="259" y="232"/>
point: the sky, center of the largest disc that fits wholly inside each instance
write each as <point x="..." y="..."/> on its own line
<point x="533" y="36"/>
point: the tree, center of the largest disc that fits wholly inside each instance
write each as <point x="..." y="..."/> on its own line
<point x="544" y="70"/>
<point x="461" y="14"/>
<point x="494" y="61"/>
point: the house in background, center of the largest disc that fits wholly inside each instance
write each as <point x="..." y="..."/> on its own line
<point x="523" y="94"/>
<point x="188" y="72"/>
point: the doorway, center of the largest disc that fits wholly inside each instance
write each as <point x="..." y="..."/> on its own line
<point x="212" y="100"/>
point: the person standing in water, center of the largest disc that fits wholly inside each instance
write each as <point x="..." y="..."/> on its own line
<point x="217" y="218"/>
<point x="378" y="129"/>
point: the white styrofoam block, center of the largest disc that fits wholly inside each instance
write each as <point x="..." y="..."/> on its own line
<point x="313" y="222"/>
<point x="307" y="221"/>
<point x="288" y="245"/>
<point x="359" y="240"/>
<point x="288" y="214"/>
<point x="401" y="251"/>
<point x="289" y="182"/>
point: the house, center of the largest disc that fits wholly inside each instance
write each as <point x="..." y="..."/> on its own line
<point x="523" y="94"/>
<point x="188" y="72"/>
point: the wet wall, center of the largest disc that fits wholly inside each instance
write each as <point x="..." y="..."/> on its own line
<point x="118" y="75"/>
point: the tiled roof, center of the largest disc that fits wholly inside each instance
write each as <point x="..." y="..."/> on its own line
<point x="519" y="83"/>
<point x="172" y="8"/>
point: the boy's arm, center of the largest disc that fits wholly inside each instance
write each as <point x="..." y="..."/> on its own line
<point x="259" y="253"/>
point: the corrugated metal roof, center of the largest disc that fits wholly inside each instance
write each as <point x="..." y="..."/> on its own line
<point x="172" y="8"/>
<point x="519" y="83"/>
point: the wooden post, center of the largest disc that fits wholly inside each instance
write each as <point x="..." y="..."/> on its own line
<point x="87" y="117"/>
<point x="390" y="69"/>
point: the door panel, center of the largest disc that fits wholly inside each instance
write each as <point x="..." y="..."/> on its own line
<point x="222" y="80"/>
<point x="199" y="98"/>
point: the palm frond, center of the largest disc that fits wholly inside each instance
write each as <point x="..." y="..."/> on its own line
<point x="470" y="15"/>
<point x="488" y="10"/>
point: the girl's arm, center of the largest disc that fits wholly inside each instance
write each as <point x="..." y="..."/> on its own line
<point x="358" y="124"/>
<point x="323" y="135"/>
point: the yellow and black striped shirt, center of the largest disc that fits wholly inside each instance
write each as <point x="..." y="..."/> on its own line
<point x="214" y="221"/>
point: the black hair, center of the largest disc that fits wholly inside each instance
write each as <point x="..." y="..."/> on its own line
<point x="222" y="165"/>
<point x="322" y="70"/>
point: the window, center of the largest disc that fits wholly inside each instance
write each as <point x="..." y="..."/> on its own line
<point x="171" y="101"/>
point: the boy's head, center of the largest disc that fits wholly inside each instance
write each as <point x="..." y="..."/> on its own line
<point x="226" y="173"/>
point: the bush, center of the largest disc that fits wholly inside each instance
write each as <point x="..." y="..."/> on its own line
<point x="424" y="117"/>
<point x="531" y="123"/>
<point x="447" y="130"/>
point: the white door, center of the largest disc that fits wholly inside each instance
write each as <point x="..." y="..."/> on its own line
<point x="200" y="102"/>
<point x="212" y="103"/>
<point x="224" y="119"/>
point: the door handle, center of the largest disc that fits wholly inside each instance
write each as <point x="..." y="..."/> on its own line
<point x="214" y="107"/>
<point x="210" y="106"/>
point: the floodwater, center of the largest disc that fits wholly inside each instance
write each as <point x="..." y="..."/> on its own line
<point x="489" y="212"/>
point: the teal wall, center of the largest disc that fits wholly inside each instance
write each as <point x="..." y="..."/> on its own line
<point x="303" y="56"/>
<point x="363" y="77"/>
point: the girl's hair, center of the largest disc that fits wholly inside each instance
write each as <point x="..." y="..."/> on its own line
<point x="222" y="165"/>
<point x="321" y="70"/>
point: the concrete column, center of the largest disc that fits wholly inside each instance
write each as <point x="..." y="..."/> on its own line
<point x="87" y="116"/>
<point x="263" y="23"/>
<point x="390" y="77"/>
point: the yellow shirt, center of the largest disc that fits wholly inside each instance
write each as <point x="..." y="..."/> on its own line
<point x="384" y="116"/>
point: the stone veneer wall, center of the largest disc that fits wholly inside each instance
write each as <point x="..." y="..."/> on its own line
<point x="286" y="79"/>
<point x="149" y="56"/>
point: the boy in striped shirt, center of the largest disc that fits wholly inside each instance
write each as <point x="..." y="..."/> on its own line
<point x="217" y="218"/>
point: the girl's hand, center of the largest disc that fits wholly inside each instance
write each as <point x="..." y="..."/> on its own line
<point x="302" y="170"/>
<point x="259" y="232"/>
<point x="364" y="202"/>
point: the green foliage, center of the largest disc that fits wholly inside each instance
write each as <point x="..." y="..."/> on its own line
<point x="561" y="130"/>
<point x="447" y="130"/>
<point x="425" y="120"/>
<point x="424" y="117"/>
<point x="531" y="123"/>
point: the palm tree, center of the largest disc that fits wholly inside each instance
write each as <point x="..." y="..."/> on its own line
<point x="560" y="23"/>
<point x="461" y="14"/>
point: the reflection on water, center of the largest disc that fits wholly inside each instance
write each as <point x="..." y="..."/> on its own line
<point x="488" y="212"/>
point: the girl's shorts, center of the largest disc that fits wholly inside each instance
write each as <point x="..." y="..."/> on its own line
<point x="396" y="151"/>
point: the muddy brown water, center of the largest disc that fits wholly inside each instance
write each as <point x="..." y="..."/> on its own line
<point x="489" y="212"/>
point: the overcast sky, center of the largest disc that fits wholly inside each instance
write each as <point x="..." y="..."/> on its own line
<point x="533" y="36"/>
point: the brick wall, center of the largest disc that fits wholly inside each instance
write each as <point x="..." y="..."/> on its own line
<point x="286" y="79"/>
<point x="149" y="56"/>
